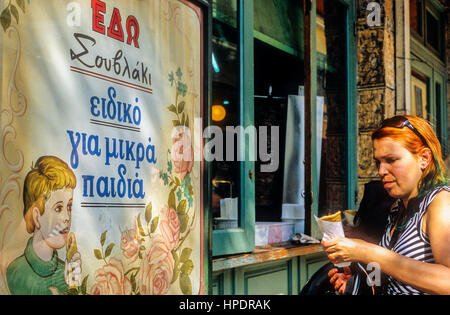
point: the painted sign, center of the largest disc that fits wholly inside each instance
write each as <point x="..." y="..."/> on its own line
<point x="99" y="191"/>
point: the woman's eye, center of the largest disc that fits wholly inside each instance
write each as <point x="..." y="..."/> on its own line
<point x="58" y="209"/>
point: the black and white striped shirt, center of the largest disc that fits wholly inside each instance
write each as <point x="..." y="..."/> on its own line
<point x="412" y="243"/>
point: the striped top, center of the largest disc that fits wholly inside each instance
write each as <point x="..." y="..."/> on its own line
<point x="412" y="243"/>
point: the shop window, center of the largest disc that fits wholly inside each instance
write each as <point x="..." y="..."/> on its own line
<point x="259" y="79"/>
<point x="232" y="189"/>
<point x="225" y="112"/>
<point x="279" y="73"/>
<point x="332" y="106"/>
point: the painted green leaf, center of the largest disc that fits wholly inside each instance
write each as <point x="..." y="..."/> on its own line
<point x="177" y="181"/>
<point x="185" y="284"/>
<point x="154" y="225"/>
<point x="98" y="254"/>
<point x="181" y="209"/>
<point x="109" y="249"/>
<point x="5" y="19"/>
<point x="133" y="281"/>
<point x="187" y="267"/>
<point x="84" y="285"/>
<point x="181" y="107"/>
<point x="176" y="123"/>
<point x="183" y="222"/>
<point x="141" y="229"/>
<point x="14" y="12"/>
<point x="21" y="4"/>
<point x="103" y="238"/>
<point x="172" y="108"/>
<point x="148" y="212"/>
<point x="171" y="202"/>
<point x="175" y="258"/>
<point x="186" y="123"/>
<point x="185" y="254"/>
<point x="176" y="272"/>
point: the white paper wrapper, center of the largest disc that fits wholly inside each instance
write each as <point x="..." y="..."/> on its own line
<point x="349" y="218"/>
<point x="332" y="230"/>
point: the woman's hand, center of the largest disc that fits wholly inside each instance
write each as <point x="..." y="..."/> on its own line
<point x="339" y="280"/>
<point x="343" y="249"/>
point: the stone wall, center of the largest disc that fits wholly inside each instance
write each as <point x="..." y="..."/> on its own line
<point x="376" y="82"/>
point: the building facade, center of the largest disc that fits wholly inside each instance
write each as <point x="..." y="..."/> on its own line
<point x="190" y="140"/>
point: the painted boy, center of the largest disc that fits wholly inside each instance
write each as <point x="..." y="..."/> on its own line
<point x="47" y="196"/>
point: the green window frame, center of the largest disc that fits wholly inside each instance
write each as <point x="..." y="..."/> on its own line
<point x="242" y="239"/>
<point x="435" y="9"/>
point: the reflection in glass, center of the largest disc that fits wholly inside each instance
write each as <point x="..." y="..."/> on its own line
<point x="278" y="66"/>
<point x="225" y="101"/>
<point x="332" y="87"/>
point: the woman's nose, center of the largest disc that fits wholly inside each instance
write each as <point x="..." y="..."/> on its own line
<point x="382" y="170"/>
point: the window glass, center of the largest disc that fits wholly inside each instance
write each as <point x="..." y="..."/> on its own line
<point x="331" y="105"/>
<point x="279" y="69"/>
<point x="433" y="31"/>
<point x="225" y="113"/>
<point x="280" y="21"/>
<point x="415" y="15"/>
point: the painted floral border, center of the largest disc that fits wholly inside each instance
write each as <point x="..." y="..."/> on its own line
<point x="154" y="248"/>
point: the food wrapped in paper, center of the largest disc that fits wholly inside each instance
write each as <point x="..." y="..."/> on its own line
<point x="331" y="227"/>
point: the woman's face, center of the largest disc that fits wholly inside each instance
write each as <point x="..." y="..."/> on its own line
<point x="398" y="168"/>
<point x="55" y="222"/>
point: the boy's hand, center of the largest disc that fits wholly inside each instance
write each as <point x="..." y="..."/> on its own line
<point x="72" y="271"/>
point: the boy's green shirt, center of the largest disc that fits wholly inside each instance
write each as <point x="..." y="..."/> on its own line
<point x="28" y="274"/>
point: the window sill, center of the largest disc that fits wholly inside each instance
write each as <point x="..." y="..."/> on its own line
<point x="263" y="254"/>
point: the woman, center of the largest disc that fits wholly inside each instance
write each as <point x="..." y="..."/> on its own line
<point x="414" y="252"/>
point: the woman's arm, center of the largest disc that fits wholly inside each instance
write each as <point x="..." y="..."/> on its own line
<point x="431" y="278"/>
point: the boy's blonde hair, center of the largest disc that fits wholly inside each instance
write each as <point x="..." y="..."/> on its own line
<point x="48" y="174"/>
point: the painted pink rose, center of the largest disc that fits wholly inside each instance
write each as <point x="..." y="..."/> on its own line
<point x="111" y="280"/>
<point x="129" y="243"/>
<point x="182" y="152"/>
<point x="169" y="225"/>
<point x="156" y="269"/>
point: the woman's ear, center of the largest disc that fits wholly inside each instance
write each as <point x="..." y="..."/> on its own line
<point x="425" y="158"/>
<point x="35" y="215"/>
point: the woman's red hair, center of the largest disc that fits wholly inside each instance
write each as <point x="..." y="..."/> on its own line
<point x="435" y="173"/>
